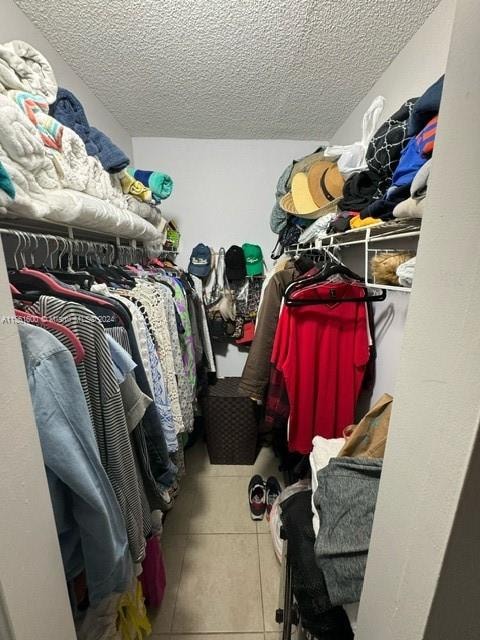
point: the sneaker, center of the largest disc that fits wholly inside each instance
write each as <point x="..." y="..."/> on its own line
<point x="256" y="497"/>
<point x="273" y="490"/>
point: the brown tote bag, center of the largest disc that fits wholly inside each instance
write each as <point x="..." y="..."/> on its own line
<point x="367" y="439"/>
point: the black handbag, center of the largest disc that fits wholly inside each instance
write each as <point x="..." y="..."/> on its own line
<point x="221" y="330"/>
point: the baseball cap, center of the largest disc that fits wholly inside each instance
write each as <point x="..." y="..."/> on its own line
<point x="253" y="258"/>
<point x="200" y="261"/>
<point x="235" y="268"/>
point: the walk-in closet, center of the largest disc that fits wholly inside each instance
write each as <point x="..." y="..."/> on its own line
<point x="239" y="346"/>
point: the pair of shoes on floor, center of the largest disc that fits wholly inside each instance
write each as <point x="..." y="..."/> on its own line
<point x="262" y="495"/>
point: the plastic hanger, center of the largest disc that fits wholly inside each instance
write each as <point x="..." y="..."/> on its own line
<point x="79" y="351"/>
<point x="47" y="283"/>
<point x="295" y="292"/>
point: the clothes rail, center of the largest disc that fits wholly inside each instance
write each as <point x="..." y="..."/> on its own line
<point x="29" y="243"/>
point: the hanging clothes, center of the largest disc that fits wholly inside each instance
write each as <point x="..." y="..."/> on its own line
<point x="256" y="372"/>
<point x="322" y="351"/>
<point x="89" y="521"/>
<point x="104" y="400"/>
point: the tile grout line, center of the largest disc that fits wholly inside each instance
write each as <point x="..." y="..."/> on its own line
<point x="178" y="586"/>
<point x="181" y="571"/>
<point x="261" y="584"/>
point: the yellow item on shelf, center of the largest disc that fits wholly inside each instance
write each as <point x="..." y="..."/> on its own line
<point x="135" y="188"/>
<point x="356" y="222"/>
<point x="133" y="622"/>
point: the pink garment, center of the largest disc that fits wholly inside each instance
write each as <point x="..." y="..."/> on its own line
<point x="153" y="577"/>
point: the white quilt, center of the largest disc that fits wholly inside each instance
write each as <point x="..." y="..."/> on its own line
<point x="24" y="68"/>
<point x="80" y="209"/>
<point x="145" y="210"/>
<point x="39" y="192"/>
<point x="71" y="162"/>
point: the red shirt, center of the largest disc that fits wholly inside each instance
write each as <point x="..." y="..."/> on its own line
<point x="322" y="351"/>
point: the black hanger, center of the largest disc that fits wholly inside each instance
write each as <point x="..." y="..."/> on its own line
<point x="322" y="276"/>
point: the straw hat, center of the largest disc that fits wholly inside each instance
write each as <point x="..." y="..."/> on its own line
<point x="316" y="191"/>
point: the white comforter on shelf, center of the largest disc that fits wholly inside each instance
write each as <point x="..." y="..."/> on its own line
<point x="38" y="181"/>
<point x="71" y="162"/>
<point x="145" y="210"/>
<point x="80" y="209"/>
<point x="23" y="68"/>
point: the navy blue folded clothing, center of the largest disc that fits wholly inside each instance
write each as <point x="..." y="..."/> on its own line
<point x="425" y="108"/>
<point x="384" y="207"/>
<point x="68" y="110"/>
<point x="113" y="159"/>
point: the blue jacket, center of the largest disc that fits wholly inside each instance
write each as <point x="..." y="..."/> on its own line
<point x="90" y="525"/>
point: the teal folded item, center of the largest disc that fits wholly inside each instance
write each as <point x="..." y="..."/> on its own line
<point x="6" y="182"/>
<point x="159" y="183"/>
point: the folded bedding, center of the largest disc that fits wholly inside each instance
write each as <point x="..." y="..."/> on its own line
<point x="38" y="174"/>
<point x="30" y="200"/>
<point x="82" y="210"/>
<point x="71" y="162"/>
<point x="68" y="110"/>
<point x="35" y="107"/>
<point x="160" y="184"/>
<point x="145" y="210"/>
<point x="21" y="142"/>
<point x="23" y="68"/>
<point x="135" y="187"/>
<point x="6" y="184"/>
<point x="59" y="168"/>
<point x="112" y="157"/>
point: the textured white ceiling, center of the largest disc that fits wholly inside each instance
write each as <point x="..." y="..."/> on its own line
<point x="229" y="68"/>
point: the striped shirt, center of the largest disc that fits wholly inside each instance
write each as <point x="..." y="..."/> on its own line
<point x="104" y="401"/>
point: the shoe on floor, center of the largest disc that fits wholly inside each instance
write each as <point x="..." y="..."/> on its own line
<point x="272" y="490"/>
<point x="256" y="497"/>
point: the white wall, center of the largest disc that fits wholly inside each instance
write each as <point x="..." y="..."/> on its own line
<point x="223" y="195"/>
<point x="14" y="25"/>
<point x="422" y="573"/>
<point x="417" y="66"/>
<point x="31" y="571"/>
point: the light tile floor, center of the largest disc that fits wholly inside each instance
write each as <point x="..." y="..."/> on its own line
<point x="222" y="574"/>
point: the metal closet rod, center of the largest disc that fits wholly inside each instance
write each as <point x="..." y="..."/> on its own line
<point x="65" y="245"/>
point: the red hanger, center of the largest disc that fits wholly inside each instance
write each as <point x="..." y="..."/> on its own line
<point x="14" y="291"/>
<point x="79" y="351"/>
<point x="56" y="287"/>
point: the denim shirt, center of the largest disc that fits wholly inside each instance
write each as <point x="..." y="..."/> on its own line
<point x="90" y="526"/>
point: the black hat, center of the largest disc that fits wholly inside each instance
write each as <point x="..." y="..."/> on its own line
<point x="235" y="266"/>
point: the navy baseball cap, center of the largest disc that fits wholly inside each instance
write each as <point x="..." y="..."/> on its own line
<point x="200" y="261"/>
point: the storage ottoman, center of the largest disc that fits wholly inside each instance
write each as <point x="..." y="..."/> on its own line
<point x="230" y="424"/>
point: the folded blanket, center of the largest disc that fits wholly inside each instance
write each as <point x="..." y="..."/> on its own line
<point x="35" y="108"/>
<point x="82" y="210"/>
<point x="135" y="188"/>
<point x="30" y="200"/>
<point x="23" y="68"/>
<point x="21" y="142"/>
<point x="112" y="157"/>
<point x="71" y="162"/>
<point x="68" y="110"/>
<point x="145" y="210"/>
<point x="160" y="184"/>
<point x="6" y="184"/>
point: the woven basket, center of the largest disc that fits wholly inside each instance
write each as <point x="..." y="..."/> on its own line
<point x="230" y="424"/>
